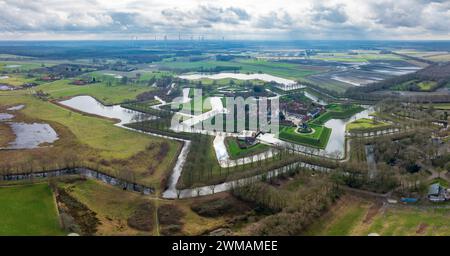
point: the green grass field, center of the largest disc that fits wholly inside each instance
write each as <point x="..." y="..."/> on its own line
<point x="366" y="124"/>
<point x="17" y="80"/>
<point x="427" y="85"/>
<point x="285" y="70"/>
<point x="21" y="66"/>
<point x="360" y="217"/>
<point x="318" y="139"/>
<point x="416" y="85"/>
<point x="337" y="111"/>
<point x="442" y="106"/>
<point x="28" y="210"/>
<point x="108" y="95"/>
<point x="236" y="152"/>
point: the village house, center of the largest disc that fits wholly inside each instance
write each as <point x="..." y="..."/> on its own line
<point x="247" y="138"/>
<point x="437" y="193"/>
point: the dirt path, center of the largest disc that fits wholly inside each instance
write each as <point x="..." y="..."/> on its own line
<point x="156" y="218"/>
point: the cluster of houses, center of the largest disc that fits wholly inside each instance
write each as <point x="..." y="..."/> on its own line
<point x="298" y="112"/>
<point x="50" y="78"/>
<point x="84" y="81"/>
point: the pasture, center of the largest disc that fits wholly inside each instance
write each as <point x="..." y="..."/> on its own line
<point x="360" y="217"/>
<point x="284" y="70"/>
<point x="28" y="210"/>
<point x="107" y="94"/>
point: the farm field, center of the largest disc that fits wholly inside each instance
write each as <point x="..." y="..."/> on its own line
<point x="366" y="124"/>
<point x="443" y="106"/>
<point x="440" y="57"/>
<point x="108" y="95"/>
<point x="17" y="80"/>
<point x="427" y="85"/>
<point x="28" y="210"/>
<point x="361" y="56"/>
<point x="94" y="142"/>
<point x="356" y="216"/>
<point x="415" y="85"/>
<point x="285" y="70"/>
<point x="21" y="66"/>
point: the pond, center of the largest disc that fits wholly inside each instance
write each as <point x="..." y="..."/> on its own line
<point x="117" y="76"/>
<point x="29" y="136"/>
<point x="90" y="105"/>
<point x="4" y="87"/>
<point x="240" y="76"/>
<point x="14" y="108"/>
<point x="314" y="98"/>
<point x="5" y="116"/>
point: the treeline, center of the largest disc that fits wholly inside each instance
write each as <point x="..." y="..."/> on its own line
<point x="413" y="58"/>
<point x="355" y="175"/>
<point x="293" y="210"/>
<point x="215" y="69"/>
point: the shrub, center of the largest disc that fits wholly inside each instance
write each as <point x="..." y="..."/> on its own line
<point x="142" y="218"/>
<point x="219" y="207"/>
<point x="169" y="217"/>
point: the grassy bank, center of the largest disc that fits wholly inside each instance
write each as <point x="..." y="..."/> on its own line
<point x="318" y="139"/>
<point x="337" y="111"/>
<point x="366" y="124"/>
<point x="235" y="152"/>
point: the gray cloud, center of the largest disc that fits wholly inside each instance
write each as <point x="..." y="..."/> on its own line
<point x="275" y="20"/>
<point x="249" y="19"/>
<point x="335" y="14"/>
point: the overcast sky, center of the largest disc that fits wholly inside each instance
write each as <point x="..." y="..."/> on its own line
<point x="244" y="19"/>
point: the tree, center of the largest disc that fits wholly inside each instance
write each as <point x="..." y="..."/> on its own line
<point x="124" y="80"/>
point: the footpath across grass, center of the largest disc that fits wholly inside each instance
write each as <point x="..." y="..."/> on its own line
<point x="28" y="210"/>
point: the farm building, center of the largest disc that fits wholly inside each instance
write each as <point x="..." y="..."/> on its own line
<point x="437" y="193"/>
<point x="247" y="137"/>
